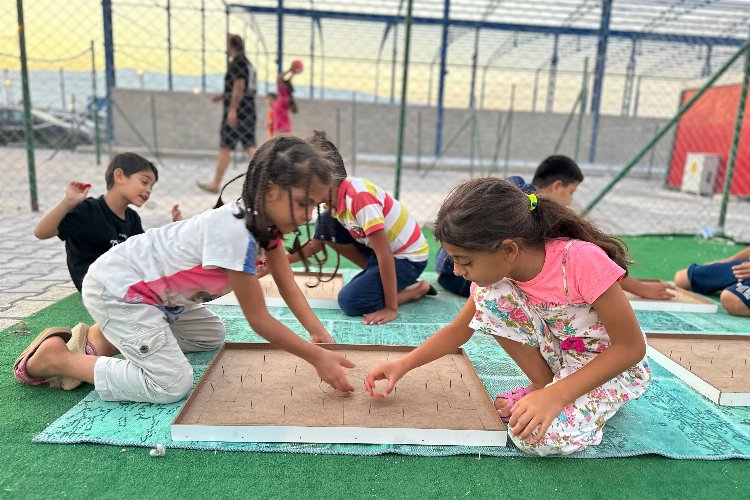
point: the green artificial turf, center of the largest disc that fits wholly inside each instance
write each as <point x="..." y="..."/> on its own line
<point x="97" y="471"/>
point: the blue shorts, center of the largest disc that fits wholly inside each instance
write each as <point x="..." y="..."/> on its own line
<point x="364" y="292"/>
<point x="711" y="278"/>
<point x="446" y="278"/>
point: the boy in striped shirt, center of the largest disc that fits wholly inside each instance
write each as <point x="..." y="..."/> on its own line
<point x="367" y="226"/>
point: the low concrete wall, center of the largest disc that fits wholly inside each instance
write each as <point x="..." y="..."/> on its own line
<point x="186" y="123"/>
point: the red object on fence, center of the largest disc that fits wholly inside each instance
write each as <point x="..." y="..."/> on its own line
<point x="708" y="127"/>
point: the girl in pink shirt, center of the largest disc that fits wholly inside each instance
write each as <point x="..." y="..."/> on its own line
<point x="284" y="102"/>
<point x="546" y="286"/>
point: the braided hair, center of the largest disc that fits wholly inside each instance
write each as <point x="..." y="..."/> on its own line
<point x="287" y="162"/>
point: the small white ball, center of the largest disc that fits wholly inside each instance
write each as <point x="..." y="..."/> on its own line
<point x="159" y="451"/>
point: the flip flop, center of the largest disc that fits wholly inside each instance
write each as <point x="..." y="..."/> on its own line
<point x="19" y="367"/>
<point x="513" y="397"/>
<point x="78" y="343"/>
<point x="207" y="187"/>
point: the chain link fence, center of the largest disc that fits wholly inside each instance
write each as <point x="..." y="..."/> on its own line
<point x="484" y="97"/>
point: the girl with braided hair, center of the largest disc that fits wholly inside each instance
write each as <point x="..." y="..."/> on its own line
<point x="147" y="293"/>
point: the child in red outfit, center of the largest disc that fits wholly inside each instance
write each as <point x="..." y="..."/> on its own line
<point x="285" y="100"/>
<point x="270" y="102"/>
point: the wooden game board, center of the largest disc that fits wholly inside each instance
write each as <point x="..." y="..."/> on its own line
<point x="257" y="393"/>
<point x="684" y="301"/>
<point x="716" y="366"/>
<point x="323" y="296"/>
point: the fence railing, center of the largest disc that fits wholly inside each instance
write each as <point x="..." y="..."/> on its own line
<point x="480" y="100"/>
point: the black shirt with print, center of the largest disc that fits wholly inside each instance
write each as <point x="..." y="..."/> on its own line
<point x="89" y="230"/>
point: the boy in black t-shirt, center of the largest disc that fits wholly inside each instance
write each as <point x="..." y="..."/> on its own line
<point x="91" y="226"/>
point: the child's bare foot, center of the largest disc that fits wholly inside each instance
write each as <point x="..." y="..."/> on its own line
<point x="101" y="344"/>
<point x="413" y="292"/>
<point x="45" y="362"/>
<point x="505" y="402"/>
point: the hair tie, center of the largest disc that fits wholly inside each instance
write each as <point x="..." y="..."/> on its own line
<point x="533" y="202"/>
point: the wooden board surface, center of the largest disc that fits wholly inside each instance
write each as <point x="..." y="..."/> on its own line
<point x="684" y="301"/>
<point x="319" y="294"/>
<point x="718" y="368"/>
<point x="254" y="392"/>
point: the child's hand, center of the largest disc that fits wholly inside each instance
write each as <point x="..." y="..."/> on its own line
<point x="232" y="118"/>
<point x="380" y="317"/>
<point x="261" y="269"/>
<point x="742" y="270"/>
<point x="537" y="409"/>
<point x="329" y="367"/>
<point x="176" y="212"/>
<point x="76" y="192"/>
<point x="391" y="372"/>
<point x="322" y="337"/>
<point x="657" y="290"/>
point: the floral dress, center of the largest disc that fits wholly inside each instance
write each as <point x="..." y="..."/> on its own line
<point x="568" y="336"/>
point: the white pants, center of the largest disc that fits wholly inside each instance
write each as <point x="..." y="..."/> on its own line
<point x="154" y="370"/>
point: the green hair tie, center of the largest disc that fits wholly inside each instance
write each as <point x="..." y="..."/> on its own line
<point x="533" y="202"/>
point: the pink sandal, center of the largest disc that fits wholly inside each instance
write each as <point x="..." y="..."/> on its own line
<point x="19" y="367"/>
<point x="513" y="397"/>
<point x="76" y="340"/>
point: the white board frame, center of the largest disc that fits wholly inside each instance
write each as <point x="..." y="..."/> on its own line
<point x="671" y="306"/>
<point x="703" y="306"/>
<point x="697" y="383"/>
<point x="339" y="434"/>
<point x="230" y="299"/>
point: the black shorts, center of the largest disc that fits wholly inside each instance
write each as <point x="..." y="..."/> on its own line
<point x="244" y="132"/>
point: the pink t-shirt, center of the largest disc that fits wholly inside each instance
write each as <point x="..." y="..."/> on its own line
<point x="589" y="273"/>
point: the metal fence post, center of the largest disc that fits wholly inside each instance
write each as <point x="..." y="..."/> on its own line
<point x="601" y="60"/>
<point x="203" y="46"/>
<point x="441" y="84"/>
<point x="62" y="89"/>
<point x="169" y="45"/>
<point x="95" y="107"/>
<point x="402" y="110"/>
<point x="338" y="126"/>
<point x="582" y="110"/>
<point x="735" y="145"/>
<point x="354" y="133"/>
<point x="510" y="128"/>
<point x="109" y="63"/>
<point x="154" y="130"/>
<point x="28" y="131"/>
<point x="280" y="37"/>
<point x="419" y="140"/>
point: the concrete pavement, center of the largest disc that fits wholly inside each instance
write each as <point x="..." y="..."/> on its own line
<point x="33" y="273"/>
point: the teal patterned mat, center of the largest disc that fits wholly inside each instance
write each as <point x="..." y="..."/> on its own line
<point x="670" y="420"/>
<point x="720" y="323"/>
